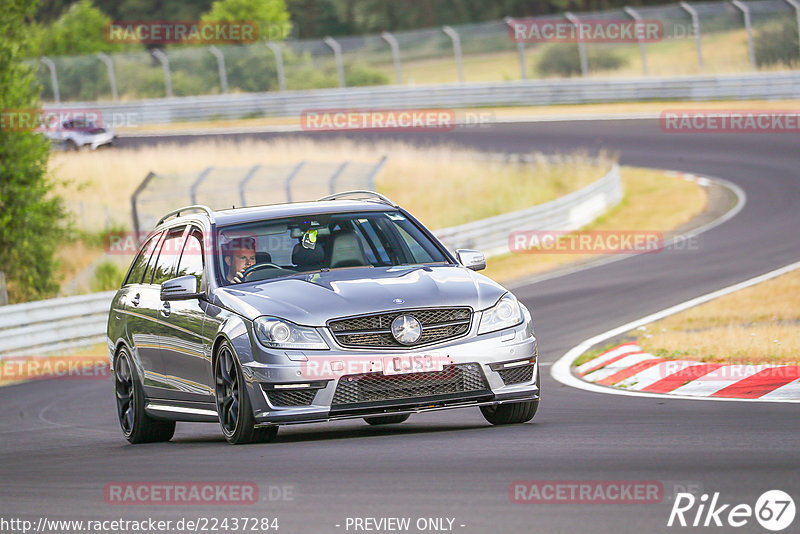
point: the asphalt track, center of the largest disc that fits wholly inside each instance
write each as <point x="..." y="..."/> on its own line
<point x="60" y="442"/>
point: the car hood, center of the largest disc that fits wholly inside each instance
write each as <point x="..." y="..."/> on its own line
<point x="314" y="298"/>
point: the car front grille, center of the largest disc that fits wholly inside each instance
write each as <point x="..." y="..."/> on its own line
<point x="517" y="375"/>
<point x="438" y="324"/>
<point x="291" y="397"/>
<point x="377" y="387"/>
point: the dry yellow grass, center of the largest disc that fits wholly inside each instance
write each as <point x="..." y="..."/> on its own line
<point x="653" y="201"/>
<point x="451" y="187"/>
<point x="755" y="325"/>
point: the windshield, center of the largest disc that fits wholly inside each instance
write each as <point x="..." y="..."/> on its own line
<point x="284" y="247"/>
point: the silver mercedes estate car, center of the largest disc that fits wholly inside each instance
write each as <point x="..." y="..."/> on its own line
<point x="346" y="307"/>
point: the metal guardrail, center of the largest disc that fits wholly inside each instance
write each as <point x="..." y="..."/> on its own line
<point x="569" y="212"/>
<point x="46" y="326"/>
<point x="51" y="325"/>
<point x="766" y="86"/>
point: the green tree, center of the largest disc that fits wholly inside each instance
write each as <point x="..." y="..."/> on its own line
<point x="272" y="16"/>
<point x="31" y="217"/>
<point x="80" y="30"/>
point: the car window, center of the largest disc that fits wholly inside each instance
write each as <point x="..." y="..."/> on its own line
<point x="373" y="246"/>
<point x="420" y="254"/>
<point x="168" y="256"/>
<point x="191" y="261"/>
<point x="139" y="265"/>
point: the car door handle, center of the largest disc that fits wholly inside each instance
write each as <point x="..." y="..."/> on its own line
<point x="165" y="309"/>
<point x="135" y="300"/>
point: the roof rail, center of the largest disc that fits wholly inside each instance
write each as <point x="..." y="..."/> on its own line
<point x="194" y="208"/>
<point x="363" y="193"/>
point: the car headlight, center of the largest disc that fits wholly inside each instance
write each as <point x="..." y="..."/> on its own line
<point x="504" y="314"/>
<point x="278" y="333"/>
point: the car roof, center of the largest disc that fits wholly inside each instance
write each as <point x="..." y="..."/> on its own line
<point x="275" y="211"/>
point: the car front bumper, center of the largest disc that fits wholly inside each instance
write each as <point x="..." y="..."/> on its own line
<point x="494" y="368"/>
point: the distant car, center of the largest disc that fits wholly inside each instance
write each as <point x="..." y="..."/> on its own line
<point x="348" y="308"/>
<point x="75" y="134"/>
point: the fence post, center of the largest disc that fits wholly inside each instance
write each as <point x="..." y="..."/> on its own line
<point x="796" y="5"/>
<point x="134" y="197"/>
<point x="289" y="179"/>
<point x="398" y="69"/>
<point x="523" y="70"/>
<point x="696" y="27"/>
<point x="278" y="64"/>
<point x="243" y="183"/>
<point x="200" y="179"/>
<point x="162" y="58"/>
<point x="453" y="35"/>
<point x="53" y="77"/>
<point x="223" y="76"/>
<point x="581" y="45"/>
<point x="642" y="52"/>
<point x="112" y="78"/>
<point x="335" y="175"/>
<point x="337" y="55"/>
<point x="749" y="29"/>
<point x="3" y="291"/>
<point x="374" y="172"/>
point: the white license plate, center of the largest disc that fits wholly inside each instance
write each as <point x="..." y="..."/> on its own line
<point x="413" y="363"/>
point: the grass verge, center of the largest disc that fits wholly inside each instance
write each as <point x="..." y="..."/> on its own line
<point x="653" y="201"/>
<point x="757" y="325"/>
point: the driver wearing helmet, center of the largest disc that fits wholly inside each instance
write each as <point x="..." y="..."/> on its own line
<point x="239" y="254"/>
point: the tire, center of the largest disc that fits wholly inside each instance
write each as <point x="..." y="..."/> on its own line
<point x="510" y="414"/>
<point x="387" y="419"/>
<point x="70" y="145"/>
<point x="233" y="403"/>
<point x="137" y="426"/>
<point x="514" y="412"/>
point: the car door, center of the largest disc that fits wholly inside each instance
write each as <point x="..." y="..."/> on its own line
<point x="139" y="303"/>
<point x="187" y="360"/>
<point x="160" y="269"/>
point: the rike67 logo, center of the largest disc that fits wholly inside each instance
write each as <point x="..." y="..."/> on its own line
<point x="774" y="510"/>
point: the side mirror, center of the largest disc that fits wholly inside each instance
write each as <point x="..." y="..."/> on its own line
<point x="181" y="288"/>
<point x="471" y="259"/>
